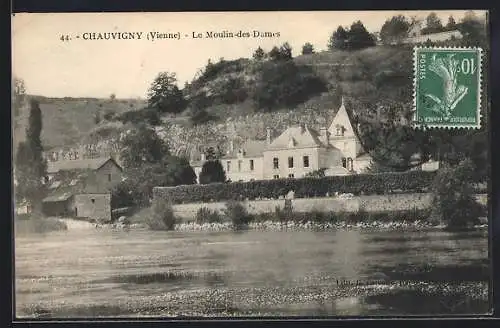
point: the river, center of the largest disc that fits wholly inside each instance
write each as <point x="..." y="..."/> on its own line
<point x="101" y="273"/>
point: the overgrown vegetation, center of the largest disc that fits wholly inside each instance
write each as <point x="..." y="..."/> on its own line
<point x="162" y="217"/>
<point x="453" y="197"/>
<point x="206" y="215"/>
<point x="238" y="215"/>
<point x="415" y="181"/>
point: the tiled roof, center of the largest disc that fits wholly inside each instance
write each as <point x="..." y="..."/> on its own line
<point x="77" y="164"/>
<point x="250" y="148"/>
<point x="302" y="136"/>
<point x="64" y="184"/>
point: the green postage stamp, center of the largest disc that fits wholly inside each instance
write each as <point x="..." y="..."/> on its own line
<point x="447" y="87"/>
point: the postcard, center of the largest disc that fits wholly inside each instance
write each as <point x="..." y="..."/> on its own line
<point x="251" y="164"/>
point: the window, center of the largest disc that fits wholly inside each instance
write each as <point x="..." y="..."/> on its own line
<point x="109" y="177"/>
<point x="349" y="164"/>
<point x="251" y="165"/>
<point x="276" y="176"/>
<point x="340" y="130"/>
<point x="344" y="162"/>
<point x="290" y="162"/>
<point x="306" y="161"/>
<point x="276" y="162"/>
<point x="239" y="166"/>
<point x="228" y="165"/>
<point x="291" y="175"/>
<point x="92" y="200"/>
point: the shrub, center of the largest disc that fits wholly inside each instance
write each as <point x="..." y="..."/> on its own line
<point x="453" y="197"/>
<point x="414" y="181"/>
<point x="162" y="216"/>
<point x="206" y="215"/>
<point x="238" y="215"/>
<point x="39" y="225"/>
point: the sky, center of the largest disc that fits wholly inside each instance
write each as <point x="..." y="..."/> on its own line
<point x="98" y="68"/>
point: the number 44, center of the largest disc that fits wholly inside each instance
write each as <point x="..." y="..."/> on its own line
<point x="64" y="38"/>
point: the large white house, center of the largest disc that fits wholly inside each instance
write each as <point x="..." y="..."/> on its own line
<point x="296" y="152"/>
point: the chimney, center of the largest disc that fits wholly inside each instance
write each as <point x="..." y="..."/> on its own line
<point x="325" y="136"/>
<point x="268" y="136"/>
<point x="203" y="157"/>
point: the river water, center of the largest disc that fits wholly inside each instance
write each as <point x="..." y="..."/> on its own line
<point x="99" y="273"/>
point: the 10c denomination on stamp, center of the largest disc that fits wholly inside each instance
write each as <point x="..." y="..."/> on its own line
<point x="447" y="87"/>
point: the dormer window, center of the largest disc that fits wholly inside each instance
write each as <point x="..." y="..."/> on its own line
<point x="339" y="131"/>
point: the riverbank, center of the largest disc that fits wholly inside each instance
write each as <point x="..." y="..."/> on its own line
<point x="72" y="224"/>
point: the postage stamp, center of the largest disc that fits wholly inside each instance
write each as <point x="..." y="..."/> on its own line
<point x="447" y="87"/>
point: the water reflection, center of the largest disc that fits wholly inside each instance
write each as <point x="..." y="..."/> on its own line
<point x="343" y="272"/>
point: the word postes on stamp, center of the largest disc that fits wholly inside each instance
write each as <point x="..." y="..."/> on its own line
<point x="447" y="87"/>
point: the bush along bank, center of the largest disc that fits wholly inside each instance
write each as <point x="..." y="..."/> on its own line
<point x="234" y="217"/>
<point x="359" y="184"/>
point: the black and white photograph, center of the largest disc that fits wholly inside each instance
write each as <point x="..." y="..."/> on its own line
<point x="251" y="164"/>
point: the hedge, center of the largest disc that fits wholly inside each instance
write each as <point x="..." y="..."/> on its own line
<point x="382" y="183"/>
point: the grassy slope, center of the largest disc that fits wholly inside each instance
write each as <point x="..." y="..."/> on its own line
<point x="68" y="120"/>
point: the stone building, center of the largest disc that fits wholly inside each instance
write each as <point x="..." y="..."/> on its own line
<point x="296" y="152"/>
<point x="81" y="188"/>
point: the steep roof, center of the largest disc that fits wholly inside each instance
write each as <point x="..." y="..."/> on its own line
<point x="64" y="184"/>
<point x="79" y="164"/>
<point x="301" y="136"/>
<point x="344" y="118"/>
<point x="250" y="148"/>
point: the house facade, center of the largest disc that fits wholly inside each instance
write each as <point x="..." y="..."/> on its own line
<point x="297" y="151"/>
<point x="415" y="35"/>
<point x="81" y="188"/>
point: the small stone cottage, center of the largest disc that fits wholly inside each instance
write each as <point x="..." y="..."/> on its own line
<point x="81" y="188"/>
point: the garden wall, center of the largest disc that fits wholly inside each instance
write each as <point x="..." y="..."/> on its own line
<point x="375" y="203"/>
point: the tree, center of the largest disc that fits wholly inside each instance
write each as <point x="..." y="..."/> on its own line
<point x="433" y="24"/>
<point x="474" y="31"/>
<point x="212" y="172"/>
<point x="395" y="30"/>
<point x="200" y="116"/>
<point x="136" y="190"/>
<point x="451" y="25"/>
<point x="307" y="49"/>
<point x="286" y="51"/>
<point x="338" y="39"/>
<point x="179" y="171"/>
<point x="259" y="54"/>
<point x="143" y="146"/>
<point x="164" y="95"/>
<point x="31" y="166"/>
<point x="112" y="97"/>
<point x="453" y="197"/>
<point x="359" y="37"/>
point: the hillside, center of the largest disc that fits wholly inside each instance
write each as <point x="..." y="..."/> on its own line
<point x="67" y="120"/>
<point x="362" y="76"/>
